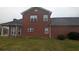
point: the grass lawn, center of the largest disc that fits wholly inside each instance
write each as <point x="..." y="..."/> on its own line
<point x="37" y="44"/>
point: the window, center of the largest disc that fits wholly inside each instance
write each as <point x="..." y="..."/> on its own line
<point x="19" y="33"/>
<point x="46" y="30"/>
<point x="30" y="29"/>
<point x="33" y="18"/>
<point x="35" y="10"/>
<point x="45" y="17"/>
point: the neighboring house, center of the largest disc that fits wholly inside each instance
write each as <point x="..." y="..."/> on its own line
<point x="36" y="21"/>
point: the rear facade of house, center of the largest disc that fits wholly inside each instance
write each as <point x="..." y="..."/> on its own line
<point x="36" y="21"/>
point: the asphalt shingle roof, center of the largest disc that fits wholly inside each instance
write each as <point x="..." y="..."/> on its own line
<point x="14" y="22"/>
<point x="54" y="21"/>
<point x="65" y="21"/>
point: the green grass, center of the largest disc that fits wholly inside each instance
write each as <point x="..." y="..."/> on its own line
<point x="37" y="44"/>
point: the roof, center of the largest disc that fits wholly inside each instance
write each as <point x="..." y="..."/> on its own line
<point x="59" y="21"/>
<point x="14" y="23"/>
<point x="65" y="21"/>
<point x="36" y="8"/>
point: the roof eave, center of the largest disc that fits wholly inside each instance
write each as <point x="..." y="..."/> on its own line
<point x="39" y="7"/>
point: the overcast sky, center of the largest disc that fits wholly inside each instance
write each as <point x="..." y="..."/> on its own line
<point x="10" y="9"/>
<point x="8" y="13"/>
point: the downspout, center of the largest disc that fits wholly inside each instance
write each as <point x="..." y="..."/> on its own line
<point x="50" y="34"/>
<point x="16" y="32"/>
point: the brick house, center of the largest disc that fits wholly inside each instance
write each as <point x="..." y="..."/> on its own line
<point x="36" y="21"/>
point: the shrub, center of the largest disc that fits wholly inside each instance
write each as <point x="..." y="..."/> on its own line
<point x="73" y="35"/>
<point x="61" y="37"/>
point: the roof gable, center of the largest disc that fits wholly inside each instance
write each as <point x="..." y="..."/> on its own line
<point x="36" y="8"/>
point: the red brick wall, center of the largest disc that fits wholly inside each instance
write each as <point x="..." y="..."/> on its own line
<point x="56" y="30"/>
<point x="39" y="25"/>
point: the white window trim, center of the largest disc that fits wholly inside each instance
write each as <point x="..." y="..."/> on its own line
<point x="30" y="29"/>
<point x="45" y="18"/>
<point x="46" y="30"/>
<point x="33" y="18"/>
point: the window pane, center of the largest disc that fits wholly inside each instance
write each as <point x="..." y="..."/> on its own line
<point x="33" y="18"/>
<point x="30" y="29"/>
<point x="46" y="30"/>
<point x="45" y="17"/>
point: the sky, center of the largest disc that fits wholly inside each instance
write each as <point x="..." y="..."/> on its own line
<point x="10" y="9"/>
<point x="9" y="13"/>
